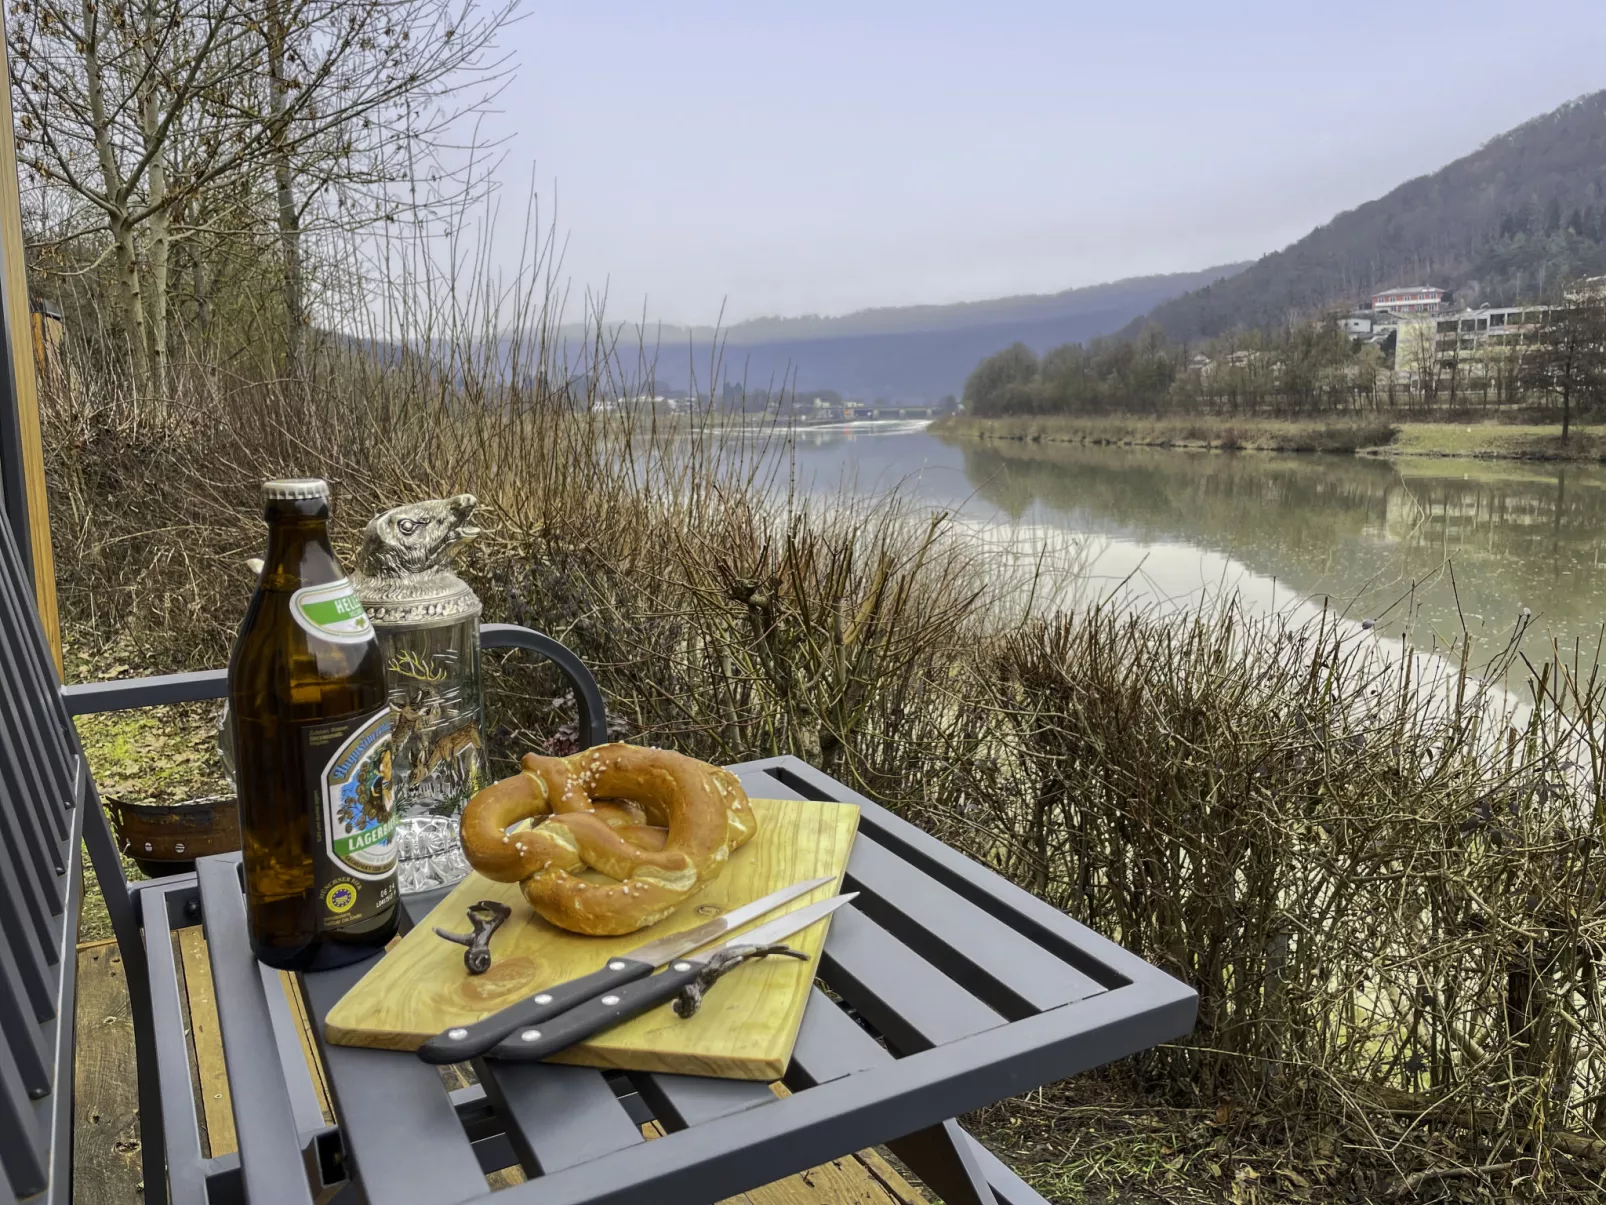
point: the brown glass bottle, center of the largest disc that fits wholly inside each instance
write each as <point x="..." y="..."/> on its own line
<point x="312" y="750"/>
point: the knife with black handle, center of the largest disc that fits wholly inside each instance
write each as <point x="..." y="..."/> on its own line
<point x="611" y="1008"/>
<point x="468" y="1041"/>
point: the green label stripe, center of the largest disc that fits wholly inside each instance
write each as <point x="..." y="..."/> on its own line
<point x="333" y="610"/>
<point x="381" y="835"/>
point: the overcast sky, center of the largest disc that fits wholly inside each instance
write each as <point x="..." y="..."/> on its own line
<point x="822" y="157"/>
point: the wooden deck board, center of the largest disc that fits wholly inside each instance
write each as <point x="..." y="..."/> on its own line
<point x="105" y="1152"/>
<point x="106" y="1168"/>
<point x="206" y="1040"/>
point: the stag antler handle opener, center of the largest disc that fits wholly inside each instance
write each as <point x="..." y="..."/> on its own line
<point x="721" y="964"/>
<point x="486" y="917"/>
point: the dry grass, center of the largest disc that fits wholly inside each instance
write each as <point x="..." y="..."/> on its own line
<point x="1500" y="441"/>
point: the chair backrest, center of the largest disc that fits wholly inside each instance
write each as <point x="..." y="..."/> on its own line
<point x="43" y="786"/>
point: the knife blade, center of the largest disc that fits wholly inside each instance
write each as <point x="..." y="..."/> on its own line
<point x="467" y="1041"/>
<point x="611" y="1008"/>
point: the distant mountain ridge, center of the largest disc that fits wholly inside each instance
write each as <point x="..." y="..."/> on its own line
<point x="1504" y="224"/>
<point x="919" y="352"/>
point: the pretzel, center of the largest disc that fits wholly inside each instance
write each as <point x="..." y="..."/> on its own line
<point x="661" y="823"/>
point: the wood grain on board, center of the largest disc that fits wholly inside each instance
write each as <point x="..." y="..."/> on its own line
<point x="749" y="1020"/>
<point x="206" y="1034"/>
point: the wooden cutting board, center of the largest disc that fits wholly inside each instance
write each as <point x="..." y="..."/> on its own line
<point x="748" y="1022"/>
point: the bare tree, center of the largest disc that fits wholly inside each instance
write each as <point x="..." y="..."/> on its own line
<point x="361" y="97"/>
<point x="100" y="93"/>
<point x="1568" y="361"/>
<point x="160" y="120"/>
<point x="1415" y="355"/>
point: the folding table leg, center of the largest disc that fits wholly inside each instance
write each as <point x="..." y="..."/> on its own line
<point x="136" y="976"/>
<point x="943" y="1157"/>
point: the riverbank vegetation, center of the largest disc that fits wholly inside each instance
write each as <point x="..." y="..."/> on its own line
<point x="1302" y="368"/>
<point x="1545" y="364"/>
<point x="1196" y="431"/>
<point x="1499" y="441"/>
<point x="1476" y="440"/>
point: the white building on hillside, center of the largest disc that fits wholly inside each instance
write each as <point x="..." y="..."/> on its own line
<point x="1410" y="299"/>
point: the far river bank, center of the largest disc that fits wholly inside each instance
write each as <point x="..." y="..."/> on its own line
<point x="1366" y="437"/>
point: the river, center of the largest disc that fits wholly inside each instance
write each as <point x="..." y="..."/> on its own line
<point x="1434" y="552"/>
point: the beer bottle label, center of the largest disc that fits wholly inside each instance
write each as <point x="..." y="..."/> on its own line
<point x="350" y="762"/>
<point x="331" y="611"/>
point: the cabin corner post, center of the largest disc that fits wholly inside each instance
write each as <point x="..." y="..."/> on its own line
<point x="24" y="455"/>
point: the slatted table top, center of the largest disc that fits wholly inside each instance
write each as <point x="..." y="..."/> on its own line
<point x="946" y="989"/>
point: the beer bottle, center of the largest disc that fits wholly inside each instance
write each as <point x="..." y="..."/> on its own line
<point x="312" y="750"/>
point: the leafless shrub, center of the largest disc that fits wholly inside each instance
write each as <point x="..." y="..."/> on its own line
<point x="1396" y="937"/>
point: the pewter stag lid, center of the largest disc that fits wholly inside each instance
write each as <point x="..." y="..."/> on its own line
<point x="402" y="573"/>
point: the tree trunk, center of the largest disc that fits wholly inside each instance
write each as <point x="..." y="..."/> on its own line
<point x="203" y="306"/>
<point x="160" y="224"/>
<point x="290" y="240"/>
<point x="133" y="301"/>
<point x="122" y="230"/>
<point x="284" y="194"/>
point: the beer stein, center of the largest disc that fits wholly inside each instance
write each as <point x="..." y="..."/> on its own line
<point x="427" y="621"/>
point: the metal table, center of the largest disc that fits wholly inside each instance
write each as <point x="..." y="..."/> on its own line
<point x="963" y="990"/>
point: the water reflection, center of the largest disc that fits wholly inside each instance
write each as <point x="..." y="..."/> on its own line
<point x="1422" y="546"/>
<point x="1419" y="546"/>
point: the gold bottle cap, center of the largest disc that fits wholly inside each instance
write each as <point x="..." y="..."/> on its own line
<point x="289" y="489"/>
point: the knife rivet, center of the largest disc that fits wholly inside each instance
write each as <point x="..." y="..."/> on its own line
<point x="530" y="1035"/>
<point x="682" y="966"/>
<point x="543" y="998"/>
<point x="616" y="965"/>
<point x="457" y="1035"/>
<point x="610" y="1001"/>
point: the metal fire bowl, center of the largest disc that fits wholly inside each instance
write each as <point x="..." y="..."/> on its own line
<point x="166" y="838"/>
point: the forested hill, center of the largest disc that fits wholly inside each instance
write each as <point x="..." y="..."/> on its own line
<point x="1504" y="224"/>
<point x="903" y="352"/>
